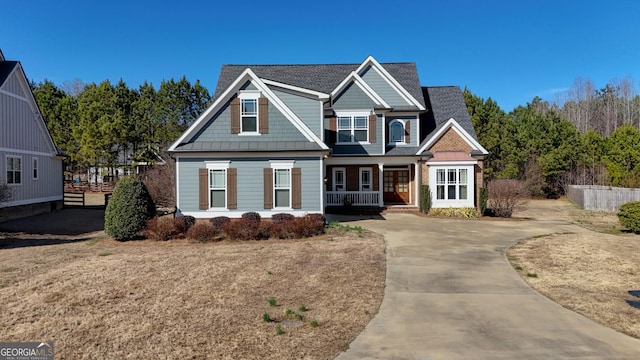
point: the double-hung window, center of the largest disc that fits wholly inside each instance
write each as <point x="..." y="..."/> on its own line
<point x="35" y="168"/>
<point x="339" y="178"/>
<point x="249" y="112"/>
<point x="282" y="188"/>
<point x="14" y="170"/>
<point x="353" y="127"/>
<point x="218" y="186"/>
<point x="451" y="184"/>
<point x="365" y="179"/>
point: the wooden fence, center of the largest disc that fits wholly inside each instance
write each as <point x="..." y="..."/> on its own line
<point x="595" y="197"/>
<point x="74" y="199"/>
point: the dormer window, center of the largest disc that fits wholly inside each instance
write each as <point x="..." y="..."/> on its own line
<point x="396" y="132"/>
<point x="249" y="114"/>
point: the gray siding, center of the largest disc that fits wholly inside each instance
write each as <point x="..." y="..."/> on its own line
<point x="382" y="88"/>
<point x="219" y="128"/>
<point x="308" y="110"/>
<point x="376" y="148"/>
<point x="250" y="182"/>
<point x="19" y="126"/>
<point x="353" y="98"/>
<point x="24" y="135"/>
<point x="413" y="128"/>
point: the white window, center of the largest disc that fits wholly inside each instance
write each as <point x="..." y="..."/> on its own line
<point x="217" y="183"/>
<point x="339" y="178"/>
<point x="14" y="170"/>
<point x="396" y="132"/>
<point x="282" y="183"/>
<point x="365" y="179"/>
<point x="353" y="128"/>
<point x="451" y="184"/>
<point x="35" y="168"/>
<point x="218" y="188"/>
<point x="282" y="187"/>
<point x="249" y="112"/>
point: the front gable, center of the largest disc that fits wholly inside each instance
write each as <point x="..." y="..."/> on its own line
<point x="451" y="137"/>
<point x="217" y="127"/>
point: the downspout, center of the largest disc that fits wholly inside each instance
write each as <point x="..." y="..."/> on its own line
<point x="420" y="184"/>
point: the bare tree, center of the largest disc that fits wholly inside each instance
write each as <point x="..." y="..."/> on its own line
<point x="5" y="193"/>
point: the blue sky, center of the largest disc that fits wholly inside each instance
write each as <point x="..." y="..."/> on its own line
<point x="510" y="51"/>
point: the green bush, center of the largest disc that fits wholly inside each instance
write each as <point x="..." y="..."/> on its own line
<point x="426" y="199"/>
<point x="484" y="196"/>
<point x="629" y="216"/>
<point x="129" y="209"/>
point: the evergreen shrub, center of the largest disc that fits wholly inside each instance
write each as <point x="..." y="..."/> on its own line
<point x="129" y="209"/>
<point x="629" y="216"/>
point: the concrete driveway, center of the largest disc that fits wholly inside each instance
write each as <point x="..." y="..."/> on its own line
<point x="452" y="294"/>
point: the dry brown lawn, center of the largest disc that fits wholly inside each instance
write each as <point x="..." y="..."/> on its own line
<point x="102" y="299"/>
<point x="589" y="271"/>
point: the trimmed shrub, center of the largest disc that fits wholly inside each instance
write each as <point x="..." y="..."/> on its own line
<point x="629" y="216"/>
<point x="426" y="199"/>
<point x="129" y="209"/>
<point x="244" y="229"/>
<point x="218" y="223"/>
<point x="505" y="196"/>
<point x="318" y="217"/>
<point x="162" y="229"/>
<point x="252" y="216"/>
<point x="281" y="217"/>
<point x="465" y="212"/>
<point x="203" y="232"/>
<point x="300" y="227"/>
<point x="484" y="196"/>
<point x="183" y="223"/>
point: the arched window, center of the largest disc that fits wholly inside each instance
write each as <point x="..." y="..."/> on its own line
<point x="396" y="132"/>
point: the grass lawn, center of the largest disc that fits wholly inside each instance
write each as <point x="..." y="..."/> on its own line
<point x="102" y="299"/>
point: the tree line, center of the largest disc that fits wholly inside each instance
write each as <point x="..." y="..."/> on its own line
<point x="587" y="140"/>
<point x="95" y="124"/>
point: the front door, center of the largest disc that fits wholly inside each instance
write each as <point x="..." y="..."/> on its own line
<point x="396" y="186"/>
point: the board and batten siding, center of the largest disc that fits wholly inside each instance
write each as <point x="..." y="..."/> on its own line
<point x="19" y="127"/>
<point x="47" y="187"/>
<point x="307" y="109"/>
<point x="250" y="185"/>
<point x="219" y="128"/>
<point x="382" y="88"/>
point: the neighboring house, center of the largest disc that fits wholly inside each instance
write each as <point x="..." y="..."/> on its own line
<point x="30" y="163"/>
<point x="305" y="138"/>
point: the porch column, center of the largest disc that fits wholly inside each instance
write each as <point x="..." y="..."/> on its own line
<point x="380" y="185"/>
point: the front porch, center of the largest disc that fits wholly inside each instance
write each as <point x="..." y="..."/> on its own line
<point x="373" y="185"/>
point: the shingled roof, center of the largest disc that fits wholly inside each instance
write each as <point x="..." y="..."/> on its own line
<point x="319" y="77"/>
<point x="444" y="103"/>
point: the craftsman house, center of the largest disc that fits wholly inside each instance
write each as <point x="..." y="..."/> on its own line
<point x="305" y="138"/>
<point x="30" y="163"/>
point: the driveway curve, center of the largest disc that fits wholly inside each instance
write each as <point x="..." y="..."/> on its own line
<point x="452" y="294"/>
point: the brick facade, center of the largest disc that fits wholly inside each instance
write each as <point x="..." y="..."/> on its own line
<point x="450" y="141"/>
<point x="353" y="176"/>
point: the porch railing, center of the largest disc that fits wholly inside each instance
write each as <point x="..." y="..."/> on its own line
<point x="356" y="198"/>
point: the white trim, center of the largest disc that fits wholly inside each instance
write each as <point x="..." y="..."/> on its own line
<point x="318" y="94"/>
<point x="10" y="94"/>
<point x="323" y="186"/>
<point x="31" y="201"/>
<point x="250" y="96"/>
<point x="209" y="188"/>
<point x="356" y="79"/>
<point x="282" y="164"/>
<point x="452" y="123"/>
<point x="246" y="75"/>
<point x="177" y="187"/>
<point x="444" y="203"/>
<point x="390" y="80"/>
<point x="386" y="160"/>
<point x="25" y="152"/>
<point x="250" y="154"/>
<point x="218" y="164"/>
<point x="333" y="178"/>
<point x="205" y="214"/>
<point x="361" y="171"/>
<point x="6" y="170"/>
<point x="352" y="114"/>
<point x="36" y="168"/>
<point x="452" y="163"/>
<point x="404" y="124"/>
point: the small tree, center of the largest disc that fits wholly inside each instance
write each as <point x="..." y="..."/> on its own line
<point x="629" y="216"/>
<point x="129" y="209"/>
<point x="506" y="195"/>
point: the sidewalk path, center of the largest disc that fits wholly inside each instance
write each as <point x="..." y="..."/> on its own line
<point x="452" y="294"/>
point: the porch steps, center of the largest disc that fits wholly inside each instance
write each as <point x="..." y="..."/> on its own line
<point x="400" y="209"/>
